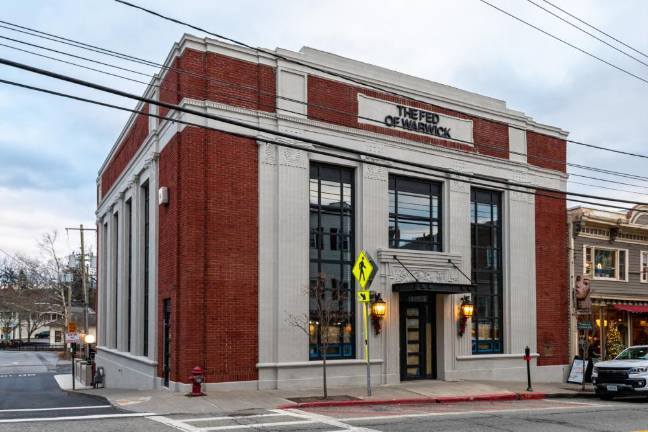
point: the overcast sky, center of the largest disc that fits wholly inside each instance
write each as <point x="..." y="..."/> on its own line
<point x="51" y="149"/>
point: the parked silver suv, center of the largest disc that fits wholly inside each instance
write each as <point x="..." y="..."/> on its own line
<point x="627" y="374"/>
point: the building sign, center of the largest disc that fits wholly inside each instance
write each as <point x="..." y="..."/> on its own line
<point x="406" y="118"/>
<point x="72" y="338"/>
<point x="583" y="291"/>
<point x="577" y="371"/>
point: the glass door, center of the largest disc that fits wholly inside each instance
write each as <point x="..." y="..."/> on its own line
<point x="417" y="337"/>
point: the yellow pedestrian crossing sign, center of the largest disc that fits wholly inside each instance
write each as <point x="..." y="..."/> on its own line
<point x="364" y="269"/>
<point x="364" y="296"/>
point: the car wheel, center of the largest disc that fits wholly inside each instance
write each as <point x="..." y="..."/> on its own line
<point x="606" y="397"/>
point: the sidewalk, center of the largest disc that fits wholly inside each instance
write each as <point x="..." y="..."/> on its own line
<point x="64" y="381"/>
<point x="164" y="402"/>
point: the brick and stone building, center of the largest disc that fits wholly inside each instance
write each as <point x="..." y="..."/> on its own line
<point x="212" y="239"/>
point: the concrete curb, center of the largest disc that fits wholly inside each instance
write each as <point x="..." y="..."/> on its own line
<point x="507" y="396"/>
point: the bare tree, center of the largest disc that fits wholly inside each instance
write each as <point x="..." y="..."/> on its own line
<point x="8" y="313"/>
<point x="35" y="308"/>
<point x="26" y="300"/>
<point x="52" y="271"/>
<point x="322" y="324"/>
<point x="9" y="281"/>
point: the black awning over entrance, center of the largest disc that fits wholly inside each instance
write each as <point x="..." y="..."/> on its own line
<point x="432" y="287"/>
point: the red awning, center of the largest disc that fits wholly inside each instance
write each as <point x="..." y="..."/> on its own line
<point x="631" y="308"/>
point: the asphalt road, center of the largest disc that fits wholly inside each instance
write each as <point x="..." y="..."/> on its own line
<point x="30" y="396"/>
<point x="30" y="400"/>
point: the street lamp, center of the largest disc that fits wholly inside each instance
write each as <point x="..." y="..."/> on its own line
<point x="378" y="312"/>
<point x="467" y="309"/>
<point x="88" y="340"/>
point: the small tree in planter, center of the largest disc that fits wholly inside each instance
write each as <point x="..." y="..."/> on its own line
<point x="325" y="315"/>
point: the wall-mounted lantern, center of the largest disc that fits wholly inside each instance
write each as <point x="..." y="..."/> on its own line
<point x="378" y="312"/>
<point x="467" y="309"/>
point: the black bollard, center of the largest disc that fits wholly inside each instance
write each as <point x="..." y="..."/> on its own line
<point x="527" y="357"/>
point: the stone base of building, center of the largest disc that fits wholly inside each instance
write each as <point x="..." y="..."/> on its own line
<point x="304" y="375"/>
<point x="127" y="371"/>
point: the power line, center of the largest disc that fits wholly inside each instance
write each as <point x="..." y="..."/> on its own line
<point x="72" y="42"/>
<point x="607" y="180"/>
<point x="597" y="29"/>
<point x="506" y="185"/>
<point x="608" y="188"/>
<point x="74" y="64"/>
<point x="625" y="71"/>
<point x="289" y="136"/>
<point x="105" y="51"/>
<point x="352" y="79"/>
<point x="73" y="55"/>
<point x="587" y="33"/>
<point x="260" y="103"/>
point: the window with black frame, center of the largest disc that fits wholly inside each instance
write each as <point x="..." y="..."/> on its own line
<point x="486" y="240"/>
<point x="414" y="214"/>
<point x="331" y="316"/>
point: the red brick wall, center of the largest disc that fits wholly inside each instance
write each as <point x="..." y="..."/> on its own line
<point x="208" y="254"/>
<point x="552" y="293"/>
<point x="336" y="102"/>
<point x="169" y="175"/>
<point x="132" y="141"/>
<point x="546" y="152"/>
<point x="219" y="78"/>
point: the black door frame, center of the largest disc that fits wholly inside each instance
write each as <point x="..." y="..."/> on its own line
<point x="427" y="313"/>
<point x="167" y="341"/>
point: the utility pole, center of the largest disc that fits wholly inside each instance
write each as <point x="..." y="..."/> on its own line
<point x="84" y="284"/>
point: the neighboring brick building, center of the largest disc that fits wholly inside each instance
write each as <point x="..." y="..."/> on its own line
<point x="218" y="275"/>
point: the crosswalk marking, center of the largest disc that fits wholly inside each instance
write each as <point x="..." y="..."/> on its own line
<point x="202" y="419"/>
<point x="87" y="417"/>
<point x="297" y="418"/>
<point x="259" y="425"/>
<point x="56" y="408"/>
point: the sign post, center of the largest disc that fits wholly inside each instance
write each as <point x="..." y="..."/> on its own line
<point x="364" y="271"/>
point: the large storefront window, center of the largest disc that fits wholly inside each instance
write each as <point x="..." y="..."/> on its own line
<point x="606" y="263"/>
<point x="486" y="240"/>
<point x="414" y="214"/>
<point x="332" y="303"/>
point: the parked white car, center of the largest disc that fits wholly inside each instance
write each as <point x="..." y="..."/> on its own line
<point x="626" y="375"/>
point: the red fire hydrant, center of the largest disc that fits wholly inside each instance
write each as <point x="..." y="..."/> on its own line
<point x="197" y="378"/>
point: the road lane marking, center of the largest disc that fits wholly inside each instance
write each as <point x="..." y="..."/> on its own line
<point x="66" y="418"/>
<point x="486" y="411"/>
<point x="57" y="408"/>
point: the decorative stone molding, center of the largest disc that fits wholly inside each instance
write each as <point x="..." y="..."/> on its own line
<point x="375" y="148"/>
<point x="522" y="197"/>
<point x="426" y="266"/>
<point x="375" y="172"/>
<point x="268" y="153"/>
<point x="292" y="157"/>
<point x="459" y="186"/>
<point x="398" y="275"/>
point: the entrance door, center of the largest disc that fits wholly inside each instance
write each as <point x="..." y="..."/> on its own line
<point x="417" y="336"/>
<point x="167" y="341"/>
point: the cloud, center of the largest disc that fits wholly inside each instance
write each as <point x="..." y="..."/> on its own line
<point x="51" y="149"/>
